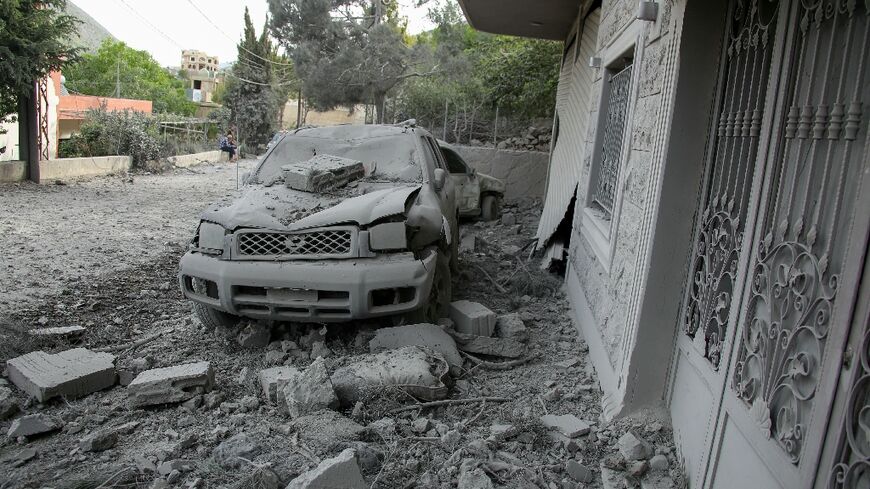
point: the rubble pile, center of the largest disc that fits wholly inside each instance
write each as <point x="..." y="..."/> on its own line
<point x="499" y="394"/>
<point x="532" y="139"/>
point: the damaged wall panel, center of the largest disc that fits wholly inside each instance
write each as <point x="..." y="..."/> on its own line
<point x="572" y="109"/>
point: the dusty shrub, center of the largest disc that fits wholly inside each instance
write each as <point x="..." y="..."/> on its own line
<point x="106" y="133"/>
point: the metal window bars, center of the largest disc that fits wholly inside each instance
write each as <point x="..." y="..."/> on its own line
<point x="617" y="107"/>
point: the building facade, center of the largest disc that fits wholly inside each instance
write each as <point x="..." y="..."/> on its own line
<point x="711" y="158"/>
<point x="196" y="60"/>
<point x="202" y="74"/>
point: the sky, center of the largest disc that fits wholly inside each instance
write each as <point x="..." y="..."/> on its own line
<point x="165" y="27"/>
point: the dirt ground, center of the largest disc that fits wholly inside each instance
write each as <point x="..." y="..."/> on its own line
<point x="103" y="254"/>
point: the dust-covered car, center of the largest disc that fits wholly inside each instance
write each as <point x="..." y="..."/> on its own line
<point x="477" y="194"/>
<point x="334" y="223"/>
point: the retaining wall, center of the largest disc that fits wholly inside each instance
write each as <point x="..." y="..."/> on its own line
<point x="524" y="172"/>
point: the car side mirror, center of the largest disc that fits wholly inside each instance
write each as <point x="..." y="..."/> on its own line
<point x="440" y="177"/>
<point x="473" y="172"/>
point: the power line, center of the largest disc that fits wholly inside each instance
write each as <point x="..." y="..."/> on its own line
<point x="231" y="39"/>
<point x="173" y="41"/>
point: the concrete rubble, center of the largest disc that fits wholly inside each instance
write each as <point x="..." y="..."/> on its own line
<point x="511" y="327"/>
<point x="71" y="373"/>
<point x="170" y="384"/>
<point x="308" y="391"/>
<point x="566" y="424"/>
<point x="272" y="381"/>
<point x="340" y="471"/>
<point x="70" y="333"/>
<point x="418" y="371"/>
<point x="472" y="318"/>
<point x="8" y="404"/>
<point x="33" y="424"/>
<point x="427" y="335"/>
<point x="231" y="452"/>
<point x="634" y="447"/>
<point x="486" y="345"/>
<point x="98" y="441"/>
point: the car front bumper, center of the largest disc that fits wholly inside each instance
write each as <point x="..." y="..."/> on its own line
<point x="318" y="291"/>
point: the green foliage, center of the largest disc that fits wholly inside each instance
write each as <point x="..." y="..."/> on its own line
<point x="116" y="65"/>
<point x="106" y="133"/>
<point x="34" y="40"/>
<point x="257" y="88"/>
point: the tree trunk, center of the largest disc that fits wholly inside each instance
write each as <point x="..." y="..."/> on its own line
<point x="380" y="103"/>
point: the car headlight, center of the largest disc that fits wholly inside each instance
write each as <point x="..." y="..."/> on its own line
<point x="388" y="236"/>
<point x="211" y="236"/>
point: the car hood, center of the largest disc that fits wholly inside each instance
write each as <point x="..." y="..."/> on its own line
<point x="282" y="208"/>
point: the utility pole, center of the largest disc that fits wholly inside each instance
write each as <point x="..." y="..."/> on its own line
<point x="118" y="79"/>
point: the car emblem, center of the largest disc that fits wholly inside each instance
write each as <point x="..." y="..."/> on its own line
<point x="294" y="242"/>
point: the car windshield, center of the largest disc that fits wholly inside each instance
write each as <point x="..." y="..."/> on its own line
<point x="386" y="158"/>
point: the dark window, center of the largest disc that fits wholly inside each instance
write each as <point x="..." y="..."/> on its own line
<point x="197" y="84"/>
<point x="454" y="161"/>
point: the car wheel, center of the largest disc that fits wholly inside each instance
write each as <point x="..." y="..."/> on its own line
<point x="454" y="248"/>
<point x="490" y="207"/>
<point x="214" y="319"/>
<point x="437" y="303"/>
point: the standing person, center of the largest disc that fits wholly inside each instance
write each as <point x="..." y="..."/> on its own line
<point x="228" y="144"/>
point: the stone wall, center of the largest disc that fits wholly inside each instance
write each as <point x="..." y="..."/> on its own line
<point x="73" y="168"/>
<point x="524" y="172"/>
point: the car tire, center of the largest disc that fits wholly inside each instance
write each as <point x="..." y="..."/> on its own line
<point x="490" y="207"/>
<point x="214" y="319"/>
<point x="438" y="302"/>
<point x="454" y="248"/>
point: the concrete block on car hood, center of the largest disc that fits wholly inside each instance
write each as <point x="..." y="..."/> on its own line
<point x="71" y="373"/>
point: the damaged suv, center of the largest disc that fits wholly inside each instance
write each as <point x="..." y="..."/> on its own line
<point x="334" y="224"/>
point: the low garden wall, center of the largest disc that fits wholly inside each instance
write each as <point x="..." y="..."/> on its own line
<point x="524" y="172"/>
<point x="186" y="161"/>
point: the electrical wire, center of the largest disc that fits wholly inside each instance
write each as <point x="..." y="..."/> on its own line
<point x="173" y="41"/>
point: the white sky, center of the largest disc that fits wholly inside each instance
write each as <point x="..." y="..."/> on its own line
<point x="183" y="27"/>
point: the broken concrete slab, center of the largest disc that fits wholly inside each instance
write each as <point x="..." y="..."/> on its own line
<point x="419" y="371"/>
<point x="578" y="471"/>
<point x="98" y="441"/>
<point x="170" y="384"/>
<point x="71" y="373"/>
<point x="254" y="336"/>
<point x="230" y="452"/>
<point x="659" y="462"/>
<point x="33" y="424"/>
<point x="474" y="479"/>
<point x="424" y="334"/>
<point x="340" y="471"/>
<point x="486" y="345"/>
<point x="567" y="424"/>
<point x="633" y="447"/>
<point x="310" y="391"/>
<point x="8" y="404"/>
<point x="472" y="318"/>
<point x="272" y="381"/>
<point x="322" y="172"/>
<point x="511" y="326"/>
<point x="59" y="332"/>
<point x="325" y="429"/>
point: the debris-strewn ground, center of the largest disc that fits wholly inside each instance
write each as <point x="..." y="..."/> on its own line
<point x="118" y="279"/>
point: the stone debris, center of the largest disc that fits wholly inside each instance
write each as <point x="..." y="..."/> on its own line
<point x="578" y="471"/>
<point x="486" y="345"/>
<point x="61" y="332"/>
<point x="511" y="326"/>
<point x="566" y="424"/>
<point x="309" y="391"/>
<point x="634" y="447"/>
<point x="319" y="349"/>
<point x="71" y="373"/>
<point x="472" y="318"/>
<point x="230" y="452"/>
<point x="98" y="441"/>
<point x="23" y="457"/>
<point x="8" y="404"/>
<point x="474" y="479"/>
<point x="418" y="371"/>
<point x="431" y="336"/>
<point x="254" y="336"/>
<point x="659" y="462"/>
<point x="322" y="172"/>
<point x="326" y="429"/>
<point x="272" y="381"/>
<point x="274" y="357"/>
<point x="170" y="384"/>
<point x="33" y="424"/>
<point x="340" y="471"/>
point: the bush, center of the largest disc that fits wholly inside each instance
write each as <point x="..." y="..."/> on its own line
<point x="106" y="133"/>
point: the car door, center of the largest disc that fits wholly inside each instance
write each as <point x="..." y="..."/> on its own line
<point x="447" y="194"/>
<point x="465" y="180"/>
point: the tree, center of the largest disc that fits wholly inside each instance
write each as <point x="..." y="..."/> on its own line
<point x="117" y="70"/>
<point x="346" y="52"/>
<point x="257" y="87"/>
<point x="34" y="40"/>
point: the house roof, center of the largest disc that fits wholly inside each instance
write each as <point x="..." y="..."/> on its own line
<point x="541" y="19"/>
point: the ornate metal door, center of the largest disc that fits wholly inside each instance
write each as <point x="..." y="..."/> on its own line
<point x="807" y="252"/>
<point x="724" y="225"/>
<point x="780" y="240"/>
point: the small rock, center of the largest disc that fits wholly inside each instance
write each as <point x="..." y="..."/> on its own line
<point x="170" y="384"/>
<point x="275" y="357"/>
<point x="451" y="438"/>
<point x="553" y="394"/>
<point x="230" y="452"/>
<point x="420" y="425"/>
<point x="98" y="441"/>
<point x="474" y="479"/>
<point x="173" y="477"/>
<point x="578" y="471"/>
<point x="341" y="471"/>
<point x="33" y="424"/>
<point x="313" y="335"/>
<point x="287" y="346"/>
<point x="319" y="349"/>
<point x="386" y="427"/>
<point x="633" y="447"/>
<point x="508" y="219"/>
<point x="511" y="326"/>
<point x="567" y="424"/>
<point x="502" y="431"/>
<point x="254" y="336"/>
<point x="659" y="462"/>
<point x="273" y="380"/>
<point x="638" y="469"/>
<point x="8" y="404"/>
<point x="472" y="318"/>
<point x="144" y="464"/>
<point x="310" y="391"/>
<point x="213" y="399"/>
<point x="192" y="404"/>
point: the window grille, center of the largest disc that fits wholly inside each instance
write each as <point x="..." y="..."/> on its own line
<point x="617" y="107"/>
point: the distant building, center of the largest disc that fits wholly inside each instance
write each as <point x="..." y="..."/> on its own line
<point x="202" y="75"/>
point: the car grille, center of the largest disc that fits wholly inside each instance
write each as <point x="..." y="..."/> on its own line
<point x="326" y="243"/>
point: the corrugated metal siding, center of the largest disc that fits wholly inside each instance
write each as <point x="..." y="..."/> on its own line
<point x="572" y="107"/>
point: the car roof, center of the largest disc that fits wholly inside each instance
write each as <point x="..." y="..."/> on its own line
<point x="354" y="131"/>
